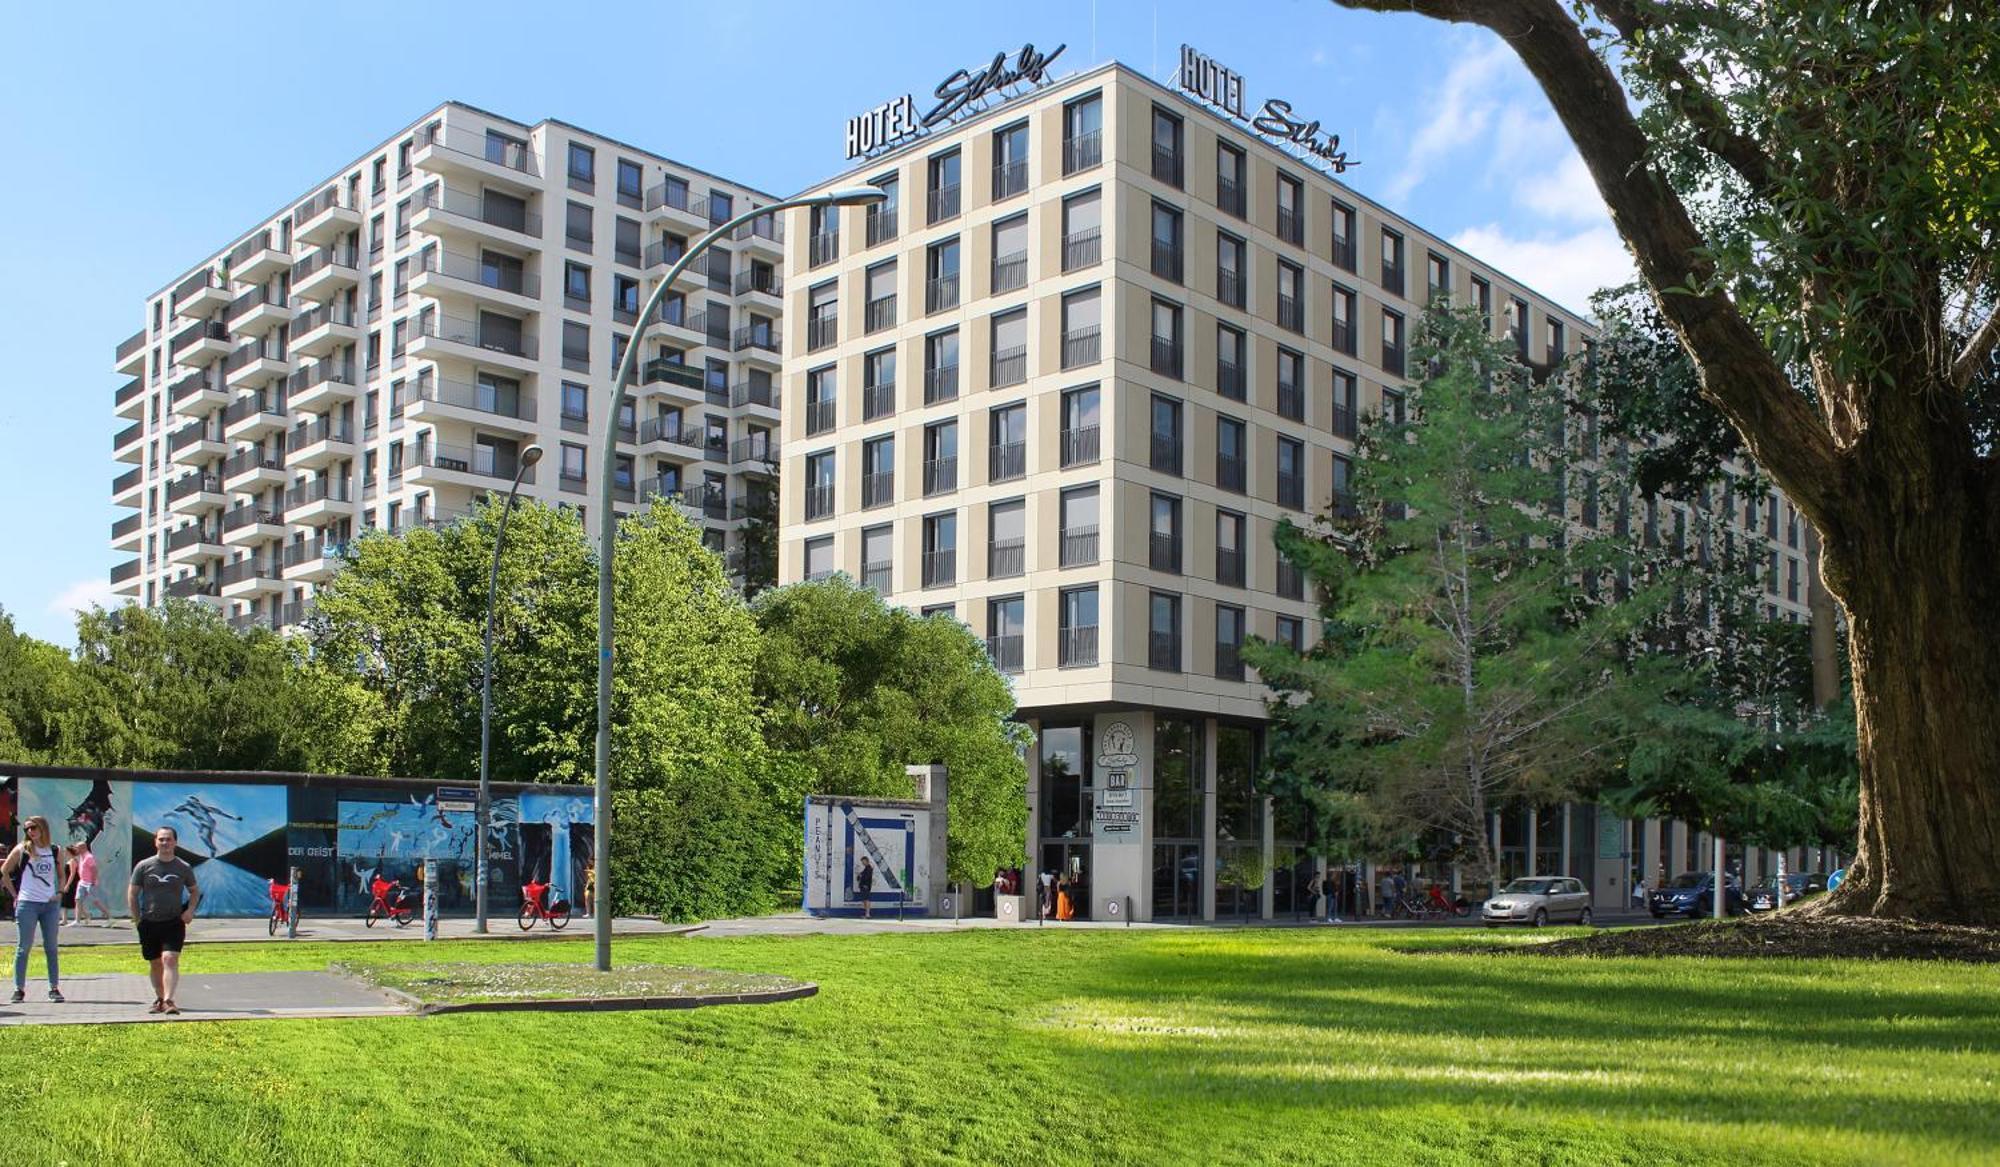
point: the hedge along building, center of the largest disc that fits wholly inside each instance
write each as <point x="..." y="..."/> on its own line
<point x="1064" y="384"/>
<point x="244" y="829"/>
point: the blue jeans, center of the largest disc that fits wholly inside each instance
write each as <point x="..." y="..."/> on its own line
<point x="26" y="917"/>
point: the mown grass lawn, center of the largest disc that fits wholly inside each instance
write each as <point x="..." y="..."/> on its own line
<point x="1047" y="1046"/>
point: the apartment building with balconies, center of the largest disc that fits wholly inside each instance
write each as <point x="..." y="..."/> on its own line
<point x="1064" y="385"/>
<point x="379" y="352"/>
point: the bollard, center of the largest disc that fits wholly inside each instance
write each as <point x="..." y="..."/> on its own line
<point x="292" y="905"/>
<point x="430" y="900"/>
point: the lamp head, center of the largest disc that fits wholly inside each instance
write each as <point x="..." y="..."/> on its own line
<point x="531" y="455"/>
<point x="853" y="196"/>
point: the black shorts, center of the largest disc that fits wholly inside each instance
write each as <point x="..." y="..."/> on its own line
<point x="157" y="936"/>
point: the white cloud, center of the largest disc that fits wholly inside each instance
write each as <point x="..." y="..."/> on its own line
<point x="1565" y="268"/>
<point x="1567" y="192"/>
<point x="1460" y="113"/>
<point x="80" y="595"/>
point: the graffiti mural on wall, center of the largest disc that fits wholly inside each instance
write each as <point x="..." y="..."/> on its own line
<point x="392" y="833"/>
<point x="93" y="811"/>
<point x="233" y="834"/>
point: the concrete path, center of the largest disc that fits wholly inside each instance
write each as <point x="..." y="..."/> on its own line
<point x="342" y="929"/>
<point x="800" y="924"/>
<point x="97" y="998"/>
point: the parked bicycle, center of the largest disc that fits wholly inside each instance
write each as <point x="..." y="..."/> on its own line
<point x="281" y="916"/>
<point x="541" y="901"/>
<point x="392" y="901"/>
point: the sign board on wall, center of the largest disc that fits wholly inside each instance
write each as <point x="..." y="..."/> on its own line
<point x="894" y="839"/>
<point x="1202" y="78"/>
<point x="964" y="92"/>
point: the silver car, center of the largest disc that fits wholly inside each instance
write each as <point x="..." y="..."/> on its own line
<point x="1537" y="901"/>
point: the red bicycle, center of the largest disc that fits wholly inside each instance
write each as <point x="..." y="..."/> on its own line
<point x="280" y="916"/>
<point x="392" y="901"/>
<point x="541" y="901"/>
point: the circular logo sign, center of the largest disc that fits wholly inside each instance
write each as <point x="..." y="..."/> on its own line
<point x="1115" y="746"/>
<point x="945" y="904"/>
<point x="1111" y="908"/>
<point x="1007" y="908"/>
<point x="1836" y="879"/>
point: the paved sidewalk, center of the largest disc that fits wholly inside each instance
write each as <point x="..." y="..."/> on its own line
<point x="349" y="928"/>
<point x="115" y="997"/>
<point x="800" y="924"/>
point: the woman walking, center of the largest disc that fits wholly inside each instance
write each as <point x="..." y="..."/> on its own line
<point x="87" y="890"/>
<point x="43" y="870"/>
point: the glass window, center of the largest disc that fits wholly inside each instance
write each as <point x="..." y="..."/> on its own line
<point x="1083" y="236"/>
<point x="1163" y="628"/>
<point x="819" y="557"/>
<point x="582" y="165"/>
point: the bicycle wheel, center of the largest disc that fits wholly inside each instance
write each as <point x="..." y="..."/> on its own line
<point x="402" y="917"/>
<point x="559" y="919"/>
<point x="527" y="918"/>
<point x="373" y="915"/>
<point x="271" y="924"/>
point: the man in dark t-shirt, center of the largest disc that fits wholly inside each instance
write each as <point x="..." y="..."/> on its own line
<point x="162" y="900"/>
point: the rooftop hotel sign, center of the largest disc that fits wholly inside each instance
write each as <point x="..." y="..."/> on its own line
<point x="896" y="121"/>
<point x="1203" y="78"/>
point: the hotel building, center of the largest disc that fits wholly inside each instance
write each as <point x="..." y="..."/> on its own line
<point x="1064" y="384"/>
<point x="381" y="351"/>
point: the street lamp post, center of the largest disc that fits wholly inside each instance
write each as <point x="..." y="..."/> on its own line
<point x="607" y="533"/>
<point x="484" y="815"/>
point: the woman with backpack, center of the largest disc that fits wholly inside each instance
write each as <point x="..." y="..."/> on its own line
<point x="35" y="872"/>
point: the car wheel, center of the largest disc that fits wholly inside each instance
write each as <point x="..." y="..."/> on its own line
<point x="1541" y="917"/>
<point x="1659" y="915"/>
<point x="1583" y="920"/>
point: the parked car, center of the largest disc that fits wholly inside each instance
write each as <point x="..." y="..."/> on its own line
<point x="1536" y="901"/>
<point x="1692" y="893"/>
<point x="1798" y="885"/>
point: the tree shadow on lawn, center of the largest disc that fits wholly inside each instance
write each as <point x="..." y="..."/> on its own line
<point x="1584" y="1029"/>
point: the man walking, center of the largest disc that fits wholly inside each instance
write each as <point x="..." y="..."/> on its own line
<point x="864" y="885"/>
<point x="162" y="901"/>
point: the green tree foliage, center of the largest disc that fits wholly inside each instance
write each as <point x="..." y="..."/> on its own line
<point x="854" y="690"/>
<point x="1465" y="669"/>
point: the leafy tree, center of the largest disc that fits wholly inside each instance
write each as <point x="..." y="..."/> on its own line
<point x="46" y="703"/>
<point x="854" y="690"/>
<point x="1808" y="189"/>
<point x="1466" y="669"/>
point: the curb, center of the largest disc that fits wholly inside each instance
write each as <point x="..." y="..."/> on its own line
<point x="619" y="1004"/>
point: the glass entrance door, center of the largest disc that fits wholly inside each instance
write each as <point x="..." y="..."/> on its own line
<point x="1067" y="895"/>
<point x="1176" y="881"/>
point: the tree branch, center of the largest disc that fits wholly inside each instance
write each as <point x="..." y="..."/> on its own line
<point x="1977" y="351"/>
<point x="1738" y="373"/>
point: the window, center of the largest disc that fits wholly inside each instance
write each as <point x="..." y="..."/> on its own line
<point x="1082" y="328"/>
<point x="1076" y="639"/>
<point x="1229" y="566"/>
<point x="1005" y="621"/>
<point x="878" y="472"/>
<point x="941" y="275"/>
<point x="1164" y="543"/>
<point x="1231" y="378"/>
<point x="721" y="206"/>
<point x="1346" y="404"/>
<point x="1231" y="454"/>
<point x="881" y="218"/>
<point x="1392" y="262"/>
<point x="1166" y="352"/>
<point x="1166" y="147"/>
<point x="673" y="192"/>
<point x="1007" y="456"/>
<point x="1007" y="539"/>
<point x="1229" y="180"/>
<point x="878" y="384"/>
<point x="1291" y="473"/>
<point x="1343" y="320"/>
<point x="1083" y="134"/>
<point x="575" y="464"/>
<point x="941" y="366"/>
<point x="1166" y="429"/>
<point x="1517" y="323"/>
<point x="576" y="346"/>
<point x="577" y="227"/>
<point x="1291" y="581"/>
<point x="878" y="548"/>
<point x="822" y="322"/>
<point x="1010" y="161"/>
<point x="1079" y="426"/>
<point x="1010" y="254"/>
<point x="1553" y="339"/>
<point x="819" y="557"/>
<point x="1228" y="642"/>
<point x="822" y="235"/>
<point x="1343" y="487"/>
<point x="880" y="310"/>
<point x="1231" y="264"/>
<point x="582" y="167"/>
<point x="625" y="246"/>
<point x="1083" y="235"/>
<point x="819" y="485"/>
<point x="576" y="286"/>
<point x="941" y="186"/>
<point x="1166" y="242"/>
<point x="1291" y="633"/>
<point x="820" y="402"/>
<point x="1079" y="526"/>
<point x="631" y="183"/>
<point x="1291" y="385"/>
<point x="1392" y="342"/>
<point x="1291" y="209"/>
<point x="1482" y="295"/>
<point x="940" y="458"/>
<point x="1393" y="409"/>
<point x="1163" y="631"/>
<point x="1291" y="296"/>
<point x="1438" y="270"/>
<point x="940" y="566"/>
<point x="625" y="298"/>
<point x="1343" y="235"/>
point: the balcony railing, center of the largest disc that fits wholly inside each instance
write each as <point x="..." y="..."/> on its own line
<point x="1006" y="558"/>
<point x="131" y="345"/>
<point x="1077" y="647"/>
<point x="940" y="384"/>
<point x="880" y="313"/>
<point x="1291" y="491"/>
<point x="1163" y="651"/>
<point x="759" y="279"/>
<point x="1228" y="661"/>
<point x="335" y="489"/>
<point x="485" y="461"/>
<point x="1229" y="287"/>
<point x="821" y="332"/>
<point x="322" y="258"/>
<point x="326" y="429"/>
<point x="241" y="253"/>
<point x="755" y="448"/>
<point x="1006" y="653"/>
<point x="1079" y="445"/>
<point x="467" y="270"/>
<point x="1343" y="336"/>
<point x="1231" y="474"/>
<point x="1291" y="225"/>
<point x="1291" y="581"/>
<point x="252" y="406"/>
<point x="315" y="548"/>
<point x="878" y="400"/>
<point x="881" y="225"/>
<point x="322" y="372"/>
<point x="878" y="489"/>
<point x="1009" y="178"/>
<point x="194" y="585"/>
<point x="878" y="577"/>
<point x="244" y="516"/>
<point x="193" y="484"/>
<point x="1083" y="249"/>
<point x="191" y="536"/>
<point x="500" y="401"/>
<point x="499" y="151"/>
<point x="128" y="391"/>
<point x="1010" y="366"/>
<point x="1393" y="279"/>
<point x="1167" y="357"/>
<point x="940" y="567"/>
<point x="129" y="525"/>
<point x="941" y="293"/>
<point x="1229" y="379"/>
<point x="245" y="461"/>
<point x="475" y="335"/>
<point x="1291" y="401"/>
<point x="1164" y="552"/>
<point x="1393" y="360"/>
<point x="819" y="501"/>
<point x="128" y="435"/>
<point x="1291" y="315"/>
<point x="1229" y="567"/>
<point x="132" y="478"/>
<point x="1345" y="424"/>
<point x="940" y="476"/>
<point x="1346" y="506"/>
<point x="200" y="330"/>
<point x="1079" y="546"/>
<point x="256" y="297"/>
<point x="1082" y="346"/>
<point x="943" y="203"/>
<point x="823" y="248"/>
<point x="1167" y="260"/>
<point x="504" y="213"/>
<point x="754" y="393"/>
<point x="1229" y="196"/>
<point x="1006" y="460"/>
<point x="1166" y="453"/>
<point x="761" y="336"/>
<point x="1083" y="151"/>
<point x="820" y="415"/>
<point x="1010" y="272"/>
<point x="1343" y="253"/>
<point x="1166" y="164"/>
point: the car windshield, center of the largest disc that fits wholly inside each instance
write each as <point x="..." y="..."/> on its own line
<point x="1689" y="879"/>
<point x="1532" y="887"/>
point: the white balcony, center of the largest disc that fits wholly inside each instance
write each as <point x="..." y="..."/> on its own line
<point x="314" y="561"/>
<point x="249" y="579"/>
<point x="451" y="338"/>
<point x="202" y="344"/>
<point x="318" y="387"/>
<point x="459" y="152"/>
<point x="469" y="284"/>
<point x="251" y="420"/>
<point x="254" y="314"/>
<point x="322" y="219"/>
<point x="457" y="216"/>
<point x="310" y="447"/>
<point x="248" y="525"/>
<point x="323" y="329"/>
<point x="197" y="494"/>
<point x="258" y="264"/>
<point x="131" y="359"/>
<point x="483" y="405"/>
<point x="193" y="546"/>
<point x="129" y="444"/>
<point x="320" y="502"/>
<point x="249" y="471"/>
<point x="251" y="366"/>
<point x="205" y="447"/>
<point x="200" y="297"/>
<point x="324" y="274"/>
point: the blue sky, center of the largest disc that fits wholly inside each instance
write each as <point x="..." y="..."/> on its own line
<point x="121" y="123"/>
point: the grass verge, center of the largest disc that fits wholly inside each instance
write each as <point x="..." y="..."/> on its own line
<point x="475" y="982"/>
